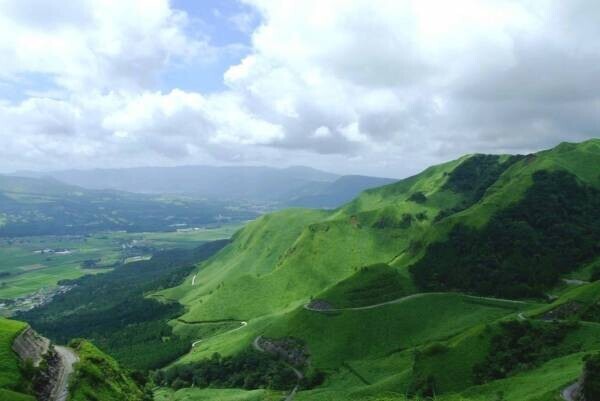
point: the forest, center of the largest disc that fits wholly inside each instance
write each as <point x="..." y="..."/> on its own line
<point x="524" y="249"/>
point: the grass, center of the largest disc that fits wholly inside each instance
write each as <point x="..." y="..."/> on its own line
<point x="190" y="394"/>
<point x="369" y="285"/>
<point x="541" y="384"/>
<point x="335" y="338"/>
<point x="98" y="377"/>
<point x="9" y="366"/>
<point x="10" y="374"/>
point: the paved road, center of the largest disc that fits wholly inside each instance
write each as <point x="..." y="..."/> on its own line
<point x="242" y="325"/>
<point x="68" y="357"/>
<point x="571" y="281"/>
<point x="570" y="392"/>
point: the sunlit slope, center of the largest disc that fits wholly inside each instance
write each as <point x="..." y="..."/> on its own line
<point x="283" y="259"/>
<point x="11" y="377"/>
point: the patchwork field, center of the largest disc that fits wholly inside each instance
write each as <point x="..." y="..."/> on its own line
<point x="29" y="264"/>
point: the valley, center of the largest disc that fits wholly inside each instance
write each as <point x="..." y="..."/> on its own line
<point x="32" y="267"/>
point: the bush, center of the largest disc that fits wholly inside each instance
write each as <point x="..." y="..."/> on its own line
<point x="591" y="378"/>
<point x="519" y="346"/>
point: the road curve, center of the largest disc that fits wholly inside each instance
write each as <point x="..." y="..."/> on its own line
<point x="243" y="324"/>
<point x="68" y="358"/>
<point x="570" y="392"/>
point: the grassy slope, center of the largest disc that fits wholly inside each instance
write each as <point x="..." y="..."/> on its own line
<point x="279" y="261"/>
<point x="10" y="375"/>
<point x="368" y="286"/>
<point x="98" y="377"/>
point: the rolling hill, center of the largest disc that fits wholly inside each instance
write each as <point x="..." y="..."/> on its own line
<point x="408" y="269"/>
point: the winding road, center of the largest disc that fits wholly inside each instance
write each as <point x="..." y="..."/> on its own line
<point x="243" y="324"/>
<point x="68" y="358"/>
<point x="403" y="299"/>
<point x="568" y="394"/>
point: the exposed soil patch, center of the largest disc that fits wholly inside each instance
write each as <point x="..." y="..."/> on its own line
<point x="564" y="311"/>
<point x="319" y="305"/>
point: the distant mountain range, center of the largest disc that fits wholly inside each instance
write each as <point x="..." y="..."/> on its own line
<point x="292" y="186"/>
<point x="42" y="206"/>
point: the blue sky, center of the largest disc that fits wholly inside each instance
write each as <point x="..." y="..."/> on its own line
<point x="214" y="19"/>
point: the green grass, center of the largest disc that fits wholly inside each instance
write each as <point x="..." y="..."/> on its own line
<point x="190" y="394"/>
<point x="10" y="374"/>
<point x="98" y="377"/>
<point x="541" y="384"/>
<point x="375" y="333"/>
<point x="369" y="285"/>
<point x="9" y="366"/>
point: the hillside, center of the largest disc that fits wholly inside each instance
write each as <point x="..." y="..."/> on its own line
<point x="13" y="384"/>
<point x="484" y="225"/>
<point x="32" y="206"/>
<point x="34" y="369"/>
<point x="292" y="186"/>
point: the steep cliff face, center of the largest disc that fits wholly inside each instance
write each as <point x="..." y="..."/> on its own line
<point x="52" y="366"/>
<point x="31" y="346"/>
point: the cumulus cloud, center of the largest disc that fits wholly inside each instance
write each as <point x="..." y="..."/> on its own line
<point x="389" y="86"/>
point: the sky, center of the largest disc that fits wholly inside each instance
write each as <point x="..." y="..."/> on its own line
<point x="372" y="87"/>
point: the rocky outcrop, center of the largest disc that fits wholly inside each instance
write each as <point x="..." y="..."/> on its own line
<point x="288" y="348"/>
<point x="29" y="345"/>
<point x="55" y="364"/>
<point x="319" y="305"/>
<point x="46" y="379"/>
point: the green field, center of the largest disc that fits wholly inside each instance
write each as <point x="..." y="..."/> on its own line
<point x="23" y="271"/>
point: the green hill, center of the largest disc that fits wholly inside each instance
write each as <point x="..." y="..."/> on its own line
<point x="12" y="381"/>
<point x="347" y="285"/>
<point x="96" y="376"/>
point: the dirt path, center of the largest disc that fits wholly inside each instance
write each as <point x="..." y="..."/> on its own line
<point x="299" y="375"/>
<point x="243" y="324"/>
<point x="403" y="299"/>
<point x="67" y="358"/>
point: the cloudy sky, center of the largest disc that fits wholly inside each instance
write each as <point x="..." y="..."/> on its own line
<point x="375" y="87"/>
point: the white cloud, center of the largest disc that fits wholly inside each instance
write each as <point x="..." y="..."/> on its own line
<point x="93" y="44"/>
<point x="390" y="85"/>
